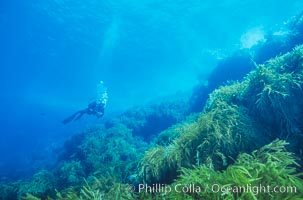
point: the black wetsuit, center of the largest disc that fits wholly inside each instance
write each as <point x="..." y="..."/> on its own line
<point x="94" y="108"/>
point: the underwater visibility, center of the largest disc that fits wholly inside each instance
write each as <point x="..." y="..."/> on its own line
<point x="172" y="100"/>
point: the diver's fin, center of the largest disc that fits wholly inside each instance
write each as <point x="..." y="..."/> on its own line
<point x="81" y="113"/>
<point x="67" y="120"/>
<point x="71" y="118"/>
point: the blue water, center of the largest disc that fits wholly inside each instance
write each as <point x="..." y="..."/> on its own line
<point x="53" y="53"/>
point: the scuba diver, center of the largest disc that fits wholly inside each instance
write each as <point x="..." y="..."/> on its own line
<point x="95" y="108"/>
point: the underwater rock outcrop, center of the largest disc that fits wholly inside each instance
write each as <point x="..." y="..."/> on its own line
<point x="232" y="68"/>
<point x="236" y="66"/>
<point x="266" y="173"/>
<point x="280" y="42"/>
<point x="243" y="115"/>
<point x="149" y="120"/>
<point x="212" y="139"/>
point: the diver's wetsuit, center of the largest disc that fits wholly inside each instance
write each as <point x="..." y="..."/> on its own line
<point x="95" y="108"/>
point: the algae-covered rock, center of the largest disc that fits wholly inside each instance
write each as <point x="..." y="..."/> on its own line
<point x="42" y="184"/>
<point x="266" y="173"/>
<point x="149" y="120"/>
<point x="238" y="117"/>
<point x="212" y="139"/>
<point x="70" y="173"/>
<point x="274" y="94"/>
<point x="9" y="191"/>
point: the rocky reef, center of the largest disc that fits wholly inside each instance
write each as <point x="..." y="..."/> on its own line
<point x="246" y="143"/>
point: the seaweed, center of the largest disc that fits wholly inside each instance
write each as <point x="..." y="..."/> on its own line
<point x="274" y="90"/>
<point x="70" y="173"/>
<point x="237" y="118"/>
<point x="252" y="176"/>
<point x="213" y="138"/>
<point x="41" y="185"/>
<point x="98" y="188"/>
<point x="151" y="119"/>
<point x="8" y="191"/>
